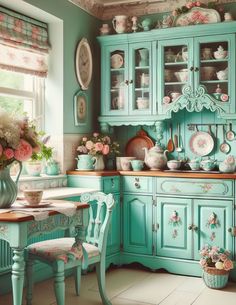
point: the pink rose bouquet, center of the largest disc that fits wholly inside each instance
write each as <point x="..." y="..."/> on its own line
<point x="212" y="256"/>
<point x="97" y="144"/>
<point x="18" y="139"/>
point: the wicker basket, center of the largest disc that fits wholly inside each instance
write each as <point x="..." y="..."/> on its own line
<point x="215" y="278"/>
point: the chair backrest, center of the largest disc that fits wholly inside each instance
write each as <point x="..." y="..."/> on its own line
<point x="100" y="210"/>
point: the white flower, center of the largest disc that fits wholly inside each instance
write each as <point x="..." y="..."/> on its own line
<point x="219" y="265"/>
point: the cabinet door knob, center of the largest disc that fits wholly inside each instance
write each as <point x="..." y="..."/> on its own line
<point x="127" y="82"/>
<point x="196" y="69"/>
<point x="137" y="185"/>
<point x="191" y="68"/>
<point x="195" y="228"/>
<point x="190" y="227"/>
<point x="131" y="81"/>
<point x="229" y="230"/>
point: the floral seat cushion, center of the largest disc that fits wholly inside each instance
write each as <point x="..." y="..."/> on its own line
<point x="63" y="249"/>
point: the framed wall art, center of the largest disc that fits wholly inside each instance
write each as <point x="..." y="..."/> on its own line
<point x="80" y="108"/>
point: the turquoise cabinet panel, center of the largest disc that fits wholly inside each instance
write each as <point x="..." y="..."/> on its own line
<point x="137" y="224"/>
<point x="174" y="239"/>
<point x="137" y="184"/>
<point x="213" y="219"/>
<point x="111" y="184"/>
<point x="195" y="187"/>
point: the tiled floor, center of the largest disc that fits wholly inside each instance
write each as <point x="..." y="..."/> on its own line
<point x="130" y="286"/>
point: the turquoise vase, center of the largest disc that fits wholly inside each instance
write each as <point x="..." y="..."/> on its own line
<point x="8" y="187"/>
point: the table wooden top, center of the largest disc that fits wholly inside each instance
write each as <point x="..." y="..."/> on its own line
<point x="19" y="217"/>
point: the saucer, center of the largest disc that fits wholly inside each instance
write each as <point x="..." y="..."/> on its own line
<point x="42" y="204"/>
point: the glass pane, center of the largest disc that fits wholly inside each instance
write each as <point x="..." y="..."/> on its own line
<point x="176" y="73"/>
<point x="141" y="79"/>
<point x="117" y="78"/>
<point x="18" y="106"/>
<point x="15" y="80"/>
<point x="214" y="68"/>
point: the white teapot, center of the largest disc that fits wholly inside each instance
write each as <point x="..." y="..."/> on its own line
<point x="155" y="157"/>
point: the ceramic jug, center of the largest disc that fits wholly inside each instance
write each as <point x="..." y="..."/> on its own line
<point x="120" y="24"/>
<point x="144" y="57"/>
<point x="146" y="24"/>
<point x="155" y="157"/>
<point x="86" y="162"/>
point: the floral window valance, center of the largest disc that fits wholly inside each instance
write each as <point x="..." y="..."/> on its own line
<point x="24" y="43"/>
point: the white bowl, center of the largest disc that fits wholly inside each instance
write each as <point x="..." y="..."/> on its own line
<point x="173" y="164"/>
<point x="182" y="75"/>
<point x="208" y="73"/>
<point x="220" y="55"/>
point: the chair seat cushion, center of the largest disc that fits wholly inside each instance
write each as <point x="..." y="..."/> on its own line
<point x="91" y="250"/>
<point x="57" y="249"/>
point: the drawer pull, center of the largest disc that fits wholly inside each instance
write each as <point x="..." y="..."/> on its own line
<point x="137" y="185"/>
<point x="112" y="183"/>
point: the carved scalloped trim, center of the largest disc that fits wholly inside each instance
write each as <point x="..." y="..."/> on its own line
<point x="138" y="8"/>
<point x="195" y="101"/>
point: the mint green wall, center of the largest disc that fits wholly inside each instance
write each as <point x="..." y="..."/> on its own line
<point x="76" y="24"/>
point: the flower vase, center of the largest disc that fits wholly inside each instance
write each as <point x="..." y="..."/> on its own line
<point x="8" y="187"/>
<point x="215" y="278"/>
<point x="99" y="165"/>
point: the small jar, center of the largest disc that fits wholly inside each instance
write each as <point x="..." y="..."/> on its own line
<point x="228" y="17"/>
<point x="105" y="29"/>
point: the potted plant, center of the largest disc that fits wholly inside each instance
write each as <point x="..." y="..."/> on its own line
<point x="44" y="153"/>
<point x="216" y="265"/>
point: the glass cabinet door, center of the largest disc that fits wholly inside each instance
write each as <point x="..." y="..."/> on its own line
<point x="140" y="78"/>
<point x="174" y="59"/>
<point x="215" y="67"/>
<point x="114" y="87"/>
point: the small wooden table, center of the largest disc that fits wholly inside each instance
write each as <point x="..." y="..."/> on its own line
<point x="16" y="228"/>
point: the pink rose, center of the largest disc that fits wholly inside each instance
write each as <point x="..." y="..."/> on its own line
<point x="8" y="153"/>
<point x="89" y="145"/>
<point x="95" y="134"/>
<point x="189" y="5"/>
<point x="223" y="257"/>
<point x="84" y="139"/>
<point x="98" y="146"/>
<point x="198" y="3"/>
<point x="228" y="264"/>
<point x="175" y="13"/>
<point x="24" y="151"/>
<point x="106" y="149"/>
<point x="203" y="262"/>
<point x="224" y="97"/>
<point x="166" y="100"/>
<point x="1" y="150"/>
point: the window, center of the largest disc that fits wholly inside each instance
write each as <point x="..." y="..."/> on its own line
<point x="23" y="93"/>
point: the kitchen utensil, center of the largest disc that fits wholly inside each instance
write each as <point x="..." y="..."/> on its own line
<point x="179" y="148"/>
<point x="224" y="147"/>
<point x="201" y="143"/>
<point x="134" y="147"/>
<point x="230" y="135"/>
<point x="170" y="144"/>
<point x="176" y="141"/>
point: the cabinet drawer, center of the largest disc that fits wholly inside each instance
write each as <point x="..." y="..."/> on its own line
<point x="137" y="184"/>
<point x="111" y="184"/>
<point x="200" y="187"/>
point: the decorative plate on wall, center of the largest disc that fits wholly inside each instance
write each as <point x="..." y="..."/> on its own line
<point x="134" y="147"/>
<point x="201" y="143"/>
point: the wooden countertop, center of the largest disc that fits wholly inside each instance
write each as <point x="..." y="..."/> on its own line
<point x="179" y="174"/>
<point x="19" y="217"/>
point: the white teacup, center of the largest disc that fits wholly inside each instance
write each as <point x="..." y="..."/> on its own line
<point x="125" y="163"/>
<point x="34" y="196"/>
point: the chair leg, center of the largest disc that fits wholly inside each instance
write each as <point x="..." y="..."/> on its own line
<point x="29" y="281"/>
<point x="59" y="282"/>
<point x="77" y="279"/>
<point x="100" y="271"/>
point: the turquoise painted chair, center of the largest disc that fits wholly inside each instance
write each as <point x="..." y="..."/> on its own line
<point x="64" y="253"/>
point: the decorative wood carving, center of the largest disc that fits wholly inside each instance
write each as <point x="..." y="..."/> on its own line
<point x="136" y="8"/>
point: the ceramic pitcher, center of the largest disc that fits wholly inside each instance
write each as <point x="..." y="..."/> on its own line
<point x="86" y="162"/>
<point x="120" y="24"/>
